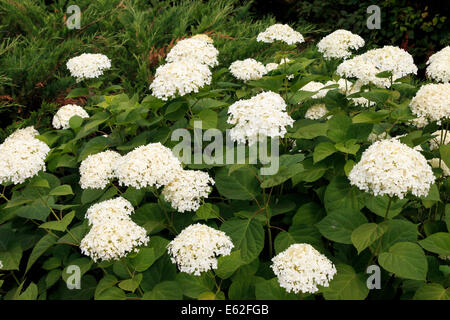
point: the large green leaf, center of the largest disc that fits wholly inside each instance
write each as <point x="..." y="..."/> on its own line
<point x="40" y="248"/>
<point x="241" y="184"/>
<point x="247" y="235"/>
<point x="398" y="231"/>
<point x="378" y="205"/>
<point x="323" y="150"/>
<point x="193" y="286"/>
<point x="406" y="260"/>
<point x="227" y="265"/>
<point x="59" y="225"/>
<point x="346" y="285"/>
<point x="437" y="243"/>
<point x="339" y="225"/>
<point x="366" y="234"/>
<point x="341" y="195"/>
<point x="166" y="290"/>
<point x="271" y="290"/>
<point x="432" y="291"/>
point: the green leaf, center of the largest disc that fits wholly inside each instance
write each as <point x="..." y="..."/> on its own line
<point x="151" y="217"/>
<point x="144" y="259"/>
<point x="10" y="256"/>
<point x="208" y="118"/>
<point x="247" y="235"/>
<point x="398" y="231"/>
<point x="384" y="74"/>
<point x="308" y="129"/>
<point x="437" y="243"/>
<point x="75" y="122"/>
<point x="283" y="174"/>
<point x="323" y="150"/>
<point x="379" y="204"/>
<point x="131" y="284"/>
<point x="59" y="225"/>
<point x="309" y="213"/>
<point x="340" y="194"/>
<point x="298" y="234"/>
<point x="37" y="211"/>
<point x="40" y="248"/>
<point x="193" y="286"/>
<point x="406" y="260"/>
<point x="207" y="211"/>
<point x="366" y="234"/>
<point x="378" y="96"/>
<point x="31" y="293"/>
<point x="241" y="184"/>
<point x="40" y="182"/>
<point x="62" y="190"/>
<point x="346" y="285"/>
<point x="166" y="290"/>
<point x="78" y="92"/>
<point x="272" y="83"/>
<point x="271" y="290"/>
<point x="227" y="265"/>
<point x="112" y="293"/>
<point x="432" y="291"/>
<point x="90" y="195"/>
<point x="339" y="225"/>
<point x="94" y="145"/>
<point x="370" y="116"/>
<point x="105" y="283"/>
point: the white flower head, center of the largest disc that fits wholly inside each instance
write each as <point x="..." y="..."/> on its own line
<point x="63" y="115"/>
<point x="187" y="189"/>
<point x="97" y="170"/>
<point x="315" y="86"/>
<point x="108" y="210"/>
<point x="194" y="49"/>
<point x="113" y="240"/>
<point x="316" y="112"/>
<point x="197" y="247"/>
<point x="439" y="65"/>
<point x="389" y="167"/>
<point x="280" y="32"/>
<point x="271" y="66"/>
<point x="301" y="268"/>
<point x="248" y="69"/>
<point x="22" y="156"/>
<point x="88" y="66"/>
<point x="339" y="43"/>
<point x="366" y="66"/>
<point x="432" y="102"/>
<point x="146" y="166"/>
<point x="180" y="77"/>
<point x="261" y="116"/>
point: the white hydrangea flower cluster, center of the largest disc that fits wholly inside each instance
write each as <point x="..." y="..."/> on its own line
<point x="435" y="164"/>
<point x="179" y="77"/>
<point x="436" y="141"/>
<point x="419" y="122"/>
<point x="316" y="86"/>
<point x="97" y="170"/>
<point x="271" y="66"/>
<point x="22" y="156"/>
<point x="316" y="112"/>
<point x="366" y="66"/>
<point x="88" y="66"/>
<point x="145" y="166"/>
<point x="261" y="116"/>
<point x="389" y="167"/>
<point x="113" y="234"/>
<point x="302" y="268"/>
<point x="187" y="69"/>
<point x="195" y="49"/>
<point x="431" y="102"/>
<point x="63" y="115"/>
<point x="338" y="44"/>
<point x="197" y="248"/>
<point x="187" y="189"/>
<point x="439" y="65"/>
<point x="248" y="69"/>
<point x="280" y="32"/>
